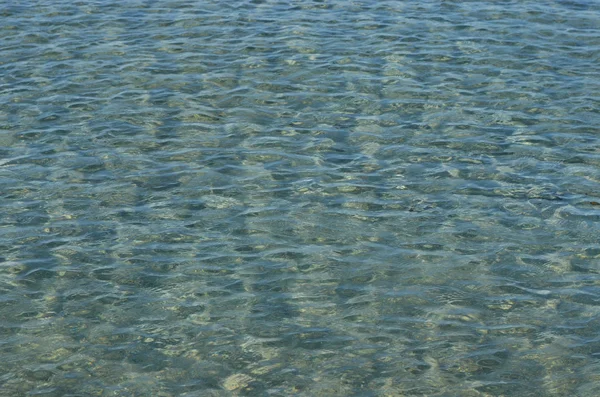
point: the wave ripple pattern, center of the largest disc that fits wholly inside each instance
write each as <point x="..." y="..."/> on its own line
<point x="299" y="198"/>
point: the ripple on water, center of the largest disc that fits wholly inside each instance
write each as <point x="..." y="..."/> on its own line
<point x="309" y="198"/>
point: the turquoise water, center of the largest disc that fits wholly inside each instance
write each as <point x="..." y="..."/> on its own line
<point x="299" y="198"/>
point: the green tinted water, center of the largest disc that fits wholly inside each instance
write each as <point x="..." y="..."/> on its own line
<point x="310" y="198"/>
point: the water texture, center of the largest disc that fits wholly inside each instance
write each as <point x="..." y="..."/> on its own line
<point x="299" y="198"/>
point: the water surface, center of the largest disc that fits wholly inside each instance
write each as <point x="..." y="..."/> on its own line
<point x="299" y="198"/>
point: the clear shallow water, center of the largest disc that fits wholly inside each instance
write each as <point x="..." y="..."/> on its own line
<point x="325" y="198"/>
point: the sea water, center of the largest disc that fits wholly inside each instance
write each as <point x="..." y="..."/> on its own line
<point x="299" y="198"/>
